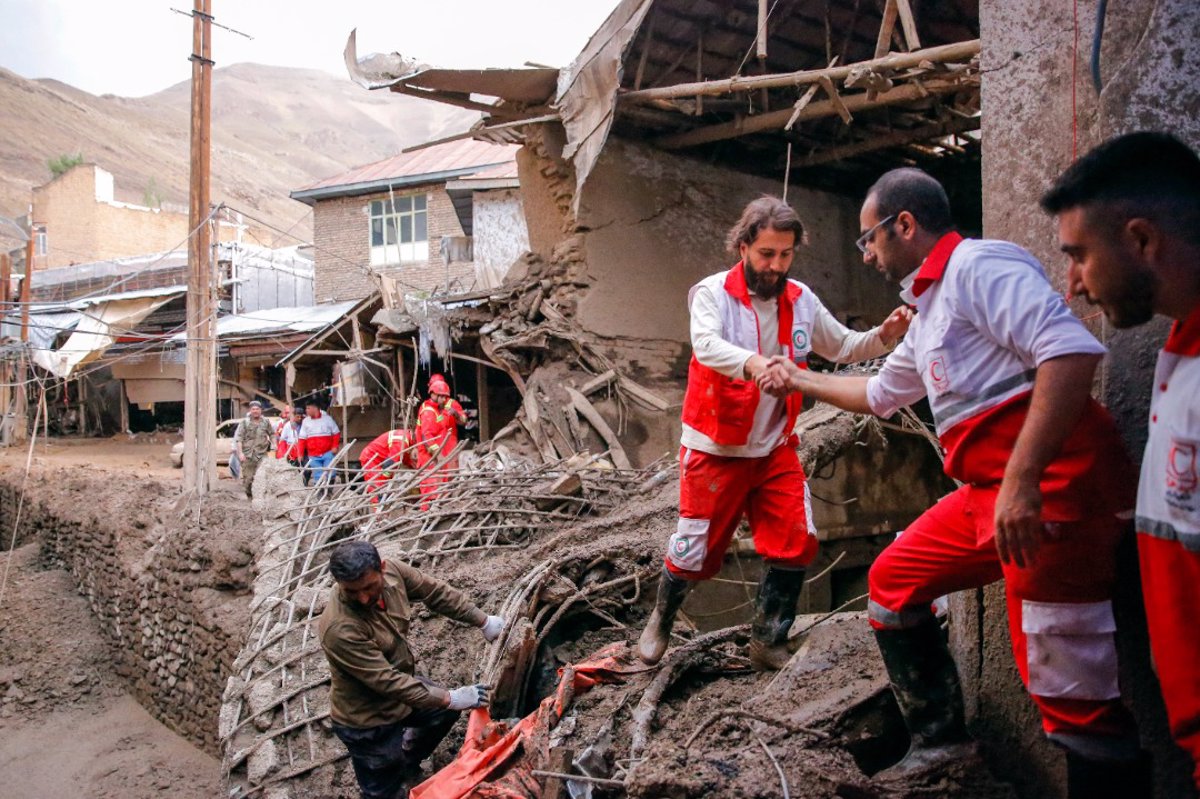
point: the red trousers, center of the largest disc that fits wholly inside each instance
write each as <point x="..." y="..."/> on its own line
<point x="435" y="478"/>
<point x="1059" y="609"/>
<point x="715" y="492"/>
<point x="1171" y="588"/>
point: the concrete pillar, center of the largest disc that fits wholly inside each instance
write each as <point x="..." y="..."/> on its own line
<point x="1040" y="108"/>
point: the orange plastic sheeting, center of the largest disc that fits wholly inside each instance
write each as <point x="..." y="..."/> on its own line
<point x="495" y="761"/>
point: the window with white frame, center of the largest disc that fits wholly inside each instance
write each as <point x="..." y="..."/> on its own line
<point x="41" y="244"/>
<point x="400" y="230"/>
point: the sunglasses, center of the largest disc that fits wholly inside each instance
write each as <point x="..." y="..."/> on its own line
<point x="869" y="236"/>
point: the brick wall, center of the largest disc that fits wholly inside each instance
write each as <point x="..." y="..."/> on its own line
<point x="81" y="229"/>
<point x="341" y="240"/>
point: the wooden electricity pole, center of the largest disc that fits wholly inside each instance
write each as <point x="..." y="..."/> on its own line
<point x="200" y="378"/>
<point x="20" y="428"/>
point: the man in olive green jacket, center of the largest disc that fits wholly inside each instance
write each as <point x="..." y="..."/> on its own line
<point x="389" y="718"/>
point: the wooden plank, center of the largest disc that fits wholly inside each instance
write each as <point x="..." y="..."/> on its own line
<point x="909" y="23"/>
<point x="489" y="349"/>
<point x="598" y="382"/>
<point x="890" y="11"/>
<point x="893" y="62"/>
<point x="560" y="763"/>
<point x="533" y="425"/>
<point x="589" y="412"/>
<point x="643" y="396"/>
<point x="836" y="99"/>
<point x="774" y="120"/>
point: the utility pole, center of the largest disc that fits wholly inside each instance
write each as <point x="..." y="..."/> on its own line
<point x="20" y="430"/>
<point x="5" y="367"/>
<point x="200" y="379"/>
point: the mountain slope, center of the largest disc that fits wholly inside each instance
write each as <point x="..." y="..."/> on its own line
<point x="274" y="129"/>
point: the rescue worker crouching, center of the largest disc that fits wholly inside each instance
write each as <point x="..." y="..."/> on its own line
<point x="389" y="718"/>
<point x="387" y="453"/>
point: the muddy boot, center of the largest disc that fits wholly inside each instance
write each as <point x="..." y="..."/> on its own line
<point x="657" y="635"/>
<point x="925" y="682"/>
<point x="1108" y="779"/>
<point x="774" y="612"/>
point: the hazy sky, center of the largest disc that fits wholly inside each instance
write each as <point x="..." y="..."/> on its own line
<point x="137" y="47"/>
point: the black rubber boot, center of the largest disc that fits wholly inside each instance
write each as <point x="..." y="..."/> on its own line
<point x="1108" y="779"/>
<point x="925" y="683"/>
<point x="774" y="612"/>
<point x="657" y="635"/>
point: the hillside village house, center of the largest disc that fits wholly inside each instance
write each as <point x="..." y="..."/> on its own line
<point x="440" y="219"/>
<point x="441" y="222"/>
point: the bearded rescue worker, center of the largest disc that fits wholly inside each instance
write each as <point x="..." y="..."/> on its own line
<point x="252" y="441"/>
<point x="1129" y="222"/>
<point x="738" y="454"/>
<point x="437" y="424"/>
<point x="1007" y="370"/>
<point x="388" y="718"/>
<point x="395" y="449"/>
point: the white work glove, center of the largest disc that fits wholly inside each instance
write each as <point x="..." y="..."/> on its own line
<point x="493" y="627"/>
<point x="469" y="697"/>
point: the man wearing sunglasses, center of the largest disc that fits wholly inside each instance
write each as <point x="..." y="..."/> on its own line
<point x="1043" y="503"/>
<point x="738" y="454"/>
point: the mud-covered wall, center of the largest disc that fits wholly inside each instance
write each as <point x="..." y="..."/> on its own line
<point x="1150" y="68"/>
<point x="657" y="222"/>
<point x="169" y="587"/>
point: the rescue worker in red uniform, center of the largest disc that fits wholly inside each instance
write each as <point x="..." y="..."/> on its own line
<point x="738" y="454"/>
<point x="1046" y="497"/>
<point x="437" y="425"/>
<point x="1129" y="222"/>
<point x="395" y="449"/>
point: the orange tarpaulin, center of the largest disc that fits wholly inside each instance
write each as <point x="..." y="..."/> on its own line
<point x="495" y="761"/>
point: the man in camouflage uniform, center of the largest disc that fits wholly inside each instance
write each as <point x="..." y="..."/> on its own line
<point x="255" y="437"/>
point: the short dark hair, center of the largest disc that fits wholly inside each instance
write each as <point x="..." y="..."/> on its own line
<point x="312" y="403"/>
<point x="762" y="214"/>
<point x="351" y="560"/>
<point x="916" y="191"/>
<point x="1146" y="173"/>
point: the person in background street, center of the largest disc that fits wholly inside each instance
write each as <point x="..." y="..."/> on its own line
<point x="252" y="441"/>
<point x="1129" y="222"/>
<point x="288" y="448"/>
<point x="738" y="454"/>
<point x="390" y="451"/>
<point x="318" y="440"/>
<point x="1046" y="494"/>
<point x="437" y="425"/>
<point x="389" y="718"/>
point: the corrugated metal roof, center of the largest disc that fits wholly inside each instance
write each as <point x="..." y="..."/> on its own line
<point x="300" y="320"/>
<point x="466" y="154"/>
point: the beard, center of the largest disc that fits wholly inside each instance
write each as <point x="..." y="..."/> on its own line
<point x="764" y="285"/>
<point x="1134" y="303"/>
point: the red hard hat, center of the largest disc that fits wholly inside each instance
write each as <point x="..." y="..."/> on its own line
<point x="438" y="385"/>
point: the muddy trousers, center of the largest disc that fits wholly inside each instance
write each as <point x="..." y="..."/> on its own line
<point x="715" y="492"/>
<point x="385" y="757"/>
<point x="1059" y="610"/>
<point x="1171" y="589"/>
<point x="249" y="469"/>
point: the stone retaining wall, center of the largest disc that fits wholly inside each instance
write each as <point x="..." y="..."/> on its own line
<point x="169" y="585"/>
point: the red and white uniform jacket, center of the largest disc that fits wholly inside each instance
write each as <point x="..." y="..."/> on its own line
<point x="987" y="319"/>
<point x="318" y="436"/>
<point x="1168" y="503"/>
<point x="438" y="426"/>
<point x="726" y="415"/>
<point x="395" y="444"/>
<point x="289" y="438"/>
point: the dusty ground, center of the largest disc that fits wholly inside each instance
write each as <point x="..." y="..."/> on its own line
<point x="68" y="726"/>
<point x="141" y="455"/>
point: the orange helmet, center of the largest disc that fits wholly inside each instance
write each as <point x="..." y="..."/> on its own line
<point x="438" y="385"/>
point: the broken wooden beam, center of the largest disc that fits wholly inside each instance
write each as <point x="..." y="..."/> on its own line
<point x="567" y="486"/>
<point x="598" y="382"/>
<point x="588" y="411"/>
<point x="896" y="139"/>
<point x="775" y="120"/>
<point x="959" y="51"/>
<point x="642" y="395"/>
